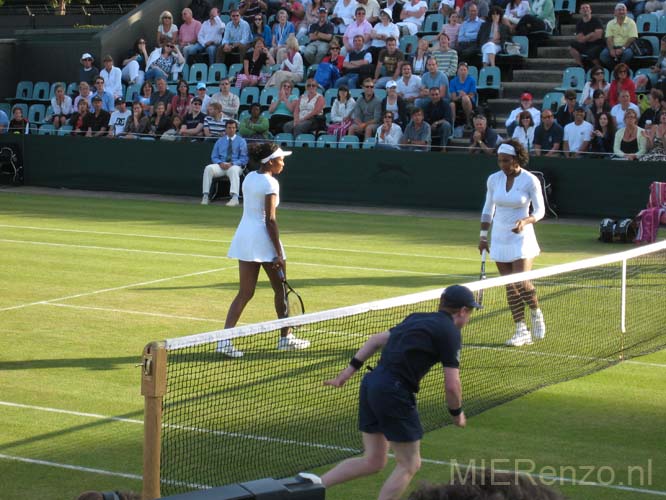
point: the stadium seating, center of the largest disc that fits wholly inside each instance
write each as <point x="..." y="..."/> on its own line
<point x="40" y="91"/>
<point x="284" y="139"/>
<point x="216" y="72"/>
<point x="249" y="95"/>
<point x="552" y="101"/>
<point x="408" y="44"/>
<point x="349" y="142"/>
<point x="369" y="143"/>
<point x="573" y="78"/>
<point x="267" y="95"/>
<point x="305" y="140"/>
<point x="132" y="92"/>
<point x="327" y="141"/>
<point x="652" y="58"/>
<point x="36" y="113"/>
<point x="647" y="23"/>
<point x="433" y="24"/>
<point x="489" y="82"/>
<point x="234" y="69"/>
<point x="198" y="73"/>
<point x="46" y="129"/>
<point x="23" y="91"/>
<point x="330" y="95"/>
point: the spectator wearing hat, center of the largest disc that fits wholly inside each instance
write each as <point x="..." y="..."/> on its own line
<point x="193" y="123"/>
<point x="87" y="72"/>
<point x="525" y="105"/>
<point x="100" y="90"/>
<point x="381" y="32"/>
<point x="99" y="121"/>
<point x="565" y="113"/>
<point x="254" y="125"/>
<point x="396" y="104"/>
<point x="394" y="7"/>
<point x="388" y="65"/>
<point x="208" y="38"/>
<point x="320" y="35"/>
<point x="577" y="134"/>
<point x="203" y="95"/>
<point x="119" y="118"/>
<point x="113" y="77"/>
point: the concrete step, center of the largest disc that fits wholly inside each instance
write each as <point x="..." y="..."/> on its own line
<point x="537" y="75"/>
<point x="558" y="41"/>
<point x="512" y="90"/>
<point x="553" y="52"/>
<point x="549" y="63"/>
<point x="568" y="29"/>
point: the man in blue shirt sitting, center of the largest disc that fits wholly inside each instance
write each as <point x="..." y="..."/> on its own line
<point x="229" y="158"/>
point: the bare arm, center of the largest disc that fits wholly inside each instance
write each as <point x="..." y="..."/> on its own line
<point x="272" y="227"/>
<point x="453" y="391"/>
<point x="371" y="346"/>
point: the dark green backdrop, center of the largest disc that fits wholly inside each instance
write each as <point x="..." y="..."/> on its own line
<point x="361" y="177"/>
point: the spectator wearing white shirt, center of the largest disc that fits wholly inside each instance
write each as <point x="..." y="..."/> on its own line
<point x="413" y="15"/>
<point x="62" y="107"/>
<point x="209" y="37"/>
<point x="618" y="111"/>
<point x="525" y="105"/>
<point x="113" y="77"/>
<point x="577" y="134"/>
<point x="343" y="14"/>
<point x="389" y="134"/>
<point x="409" y="85"/>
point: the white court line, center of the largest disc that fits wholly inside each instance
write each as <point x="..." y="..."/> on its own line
<point x="646" y="363"/>
<point x="205" y="256"/>
<point x="180" y="238"/>
<point x="103" y="472"/>
<point x="141" y="313"/>
<point x="95" y="292"/>
<point x="555" y="479"/>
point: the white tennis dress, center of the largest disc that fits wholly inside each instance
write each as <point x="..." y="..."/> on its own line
<point x="251" y="242"/>
<point x="504" y="209"/>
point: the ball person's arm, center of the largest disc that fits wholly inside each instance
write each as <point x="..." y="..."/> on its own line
<point x="453" y="392"/>
<point x="371" y="346"/>
<point x="273" y="231"/>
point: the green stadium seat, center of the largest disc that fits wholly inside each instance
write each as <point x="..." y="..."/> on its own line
<point x="132" y="92"/>
<point x="285" y="139"/>
<point x="227" y="5"/>
<point x="369" y="143"/>
<point x="408" y="44"/>
<point x="249" y="95"/>
<point x="552" y="101"/>
<point x="72" y="88"/>
<point x="40" y="91"/>
<point x="573" y="78"/>
<point x="380" y="93"/>
<point x="216" y="72"/>
<point x="65" y="130"/>
<point x="46" y="129"/>
<point x="234" y="69"/>
<point x="647" y="23"/>
<point x="488" y="84"/>
<point x="330" y="95"/>
<point x="6" y="107"/>
<point x="565" y="6"/>
<point x="305" y="141"/>
<point x="356" y="93"/>
<point x="267" y="95"/>
<point x="327" y="141"/>
<point x="198" y="73"/>
<point x="36" y="113"/>
<point x="23" y="91"/>
<point x="433" y="24"/>
<point x="243" y="115"/>
<point x="655" y="51"/>
<point x="349" y="142"/>
<point x="662" y="24"/>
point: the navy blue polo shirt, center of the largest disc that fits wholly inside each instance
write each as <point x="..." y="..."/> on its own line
<point x="419" y="342"/>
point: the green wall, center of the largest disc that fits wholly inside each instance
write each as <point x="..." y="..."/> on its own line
<point x="596" y="188"/>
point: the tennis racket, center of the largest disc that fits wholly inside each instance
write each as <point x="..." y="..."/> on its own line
<point x="482" y="276"/>
<point x="294" y="301"/>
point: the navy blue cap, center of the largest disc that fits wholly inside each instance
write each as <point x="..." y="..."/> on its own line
<point x="459" y="296"/>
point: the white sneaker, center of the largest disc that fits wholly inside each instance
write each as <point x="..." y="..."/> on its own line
<point x="204" y="200"/>
<point x="233" y="202"/>
<point x="538" y="324"/>
<point x="227" y="348"/>
<point x="521" y="337"/>
<point x="290" y="343"/>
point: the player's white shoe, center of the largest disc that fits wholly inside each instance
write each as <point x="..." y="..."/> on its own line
<point x="227" y="348"/>
<point x="205" y="200"/>
<point x="538" y="325"/>
<point x="521" y="337"/>
<point x="233" y="202"/>
<point x="290" y="343"/>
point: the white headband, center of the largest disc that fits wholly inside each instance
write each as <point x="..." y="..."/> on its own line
<point x="278" y="153"/>
<point x="506" y="149"/>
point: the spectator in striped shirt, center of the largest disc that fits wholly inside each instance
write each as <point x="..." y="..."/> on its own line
<point x="214" y="123"/>
<point x="446" y="57"/>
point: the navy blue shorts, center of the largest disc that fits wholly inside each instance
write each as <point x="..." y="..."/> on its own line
<point x="387" y="407"/>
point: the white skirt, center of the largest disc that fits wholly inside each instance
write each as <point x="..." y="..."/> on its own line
<point x="251" y="243"/>
<point x="507" y="246"/>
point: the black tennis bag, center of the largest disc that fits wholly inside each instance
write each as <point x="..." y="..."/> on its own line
<point x="625" y="231"/>
<point x="606" y="230"/>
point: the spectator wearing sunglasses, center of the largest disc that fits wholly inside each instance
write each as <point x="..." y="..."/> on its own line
<point x="167" y="28"/>
<point x="309" y="111"/>
<point x="87" y="72"/>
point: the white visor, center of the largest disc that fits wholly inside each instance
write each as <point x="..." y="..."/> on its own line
<point x="506" y="149"/>
<point x="278" y="153"/>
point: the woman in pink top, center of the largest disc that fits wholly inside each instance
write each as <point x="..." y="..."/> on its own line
<point x="451" y="29"/>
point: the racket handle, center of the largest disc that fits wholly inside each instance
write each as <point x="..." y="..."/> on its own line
<point x="281" y="273"/>
<point x="484" y="254"/>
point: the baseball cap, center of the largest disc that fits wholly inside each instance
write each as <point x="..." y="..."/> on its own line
<point x="97" y="98"/>
<point x="87" y="55"/>
<point x="322" y="9"/>
<point x="119" y="100"/>
<point x="526" y="96"/>
<point x="391" y="84"/>
<point x="459" y="296"/>
<point x="579" y="107"/>
<point x="196" y="99"/>
<point x="201" y="85"/>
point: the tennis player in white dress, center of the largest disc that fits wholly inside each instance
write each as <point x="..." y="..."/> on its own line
<point x="513" y="245"/>
<point x="256" y="244"/>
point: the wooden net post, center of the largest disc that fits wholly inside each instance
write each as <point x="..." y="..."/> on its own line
<point x="153" y="388"/>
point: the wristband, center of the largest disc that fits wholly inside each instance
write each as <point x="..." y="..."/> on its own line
<point x="456" y="412"/>
<point x="483" y="234"/>
<point x="356" y="363"/>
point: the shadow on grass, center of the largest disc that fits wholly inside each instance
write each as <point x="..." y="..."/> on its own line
<point x="95" y="364"/>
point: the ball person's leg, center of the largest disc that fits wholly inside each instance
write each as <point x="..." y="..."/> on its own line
<point x="408" y="463"/>
<point x="373" y="460"/>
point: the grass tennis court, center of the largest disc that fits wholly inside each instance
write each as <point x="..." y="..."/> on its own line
<point x="87" y="282"/>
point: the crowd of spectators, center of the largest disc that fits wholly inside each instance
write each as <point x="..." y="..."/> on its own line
<point x="427" y="91"/>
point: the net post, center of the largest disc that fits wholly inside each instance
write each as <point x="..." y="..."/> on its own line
<point x="153" y="388"/>
<point x="623" y="307"/>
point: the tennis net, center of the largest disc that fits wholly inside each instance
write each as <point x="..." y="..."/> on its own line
<point x="213" y="420"/>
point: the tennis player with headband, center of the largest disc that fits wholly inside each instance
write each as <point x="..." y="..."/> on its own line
<point x="388" y="417"/>
<point x="513" y="242"/>
<point x="256" y="244"/>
